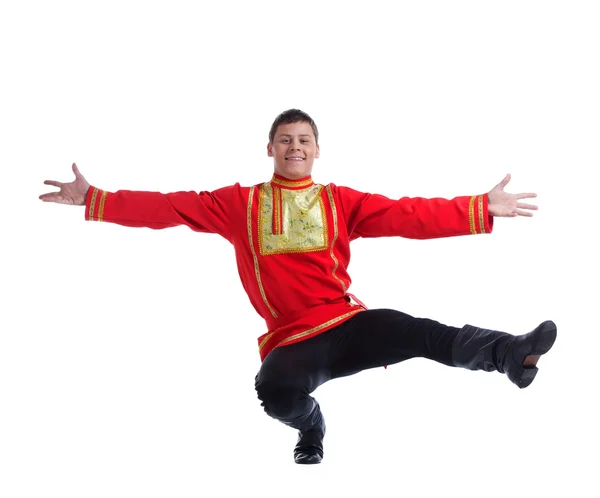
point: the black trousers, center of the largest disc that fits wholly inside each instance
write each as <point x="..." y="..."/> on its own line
<point x="370" y="339"/>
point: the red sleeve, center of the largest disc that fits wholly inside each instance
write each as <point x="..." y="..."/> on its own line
<point x="374" y="215"/>
<point x="202" y="212"/>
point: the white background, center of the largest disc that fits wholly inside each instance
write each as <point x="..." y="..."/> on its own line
<point x="127" y="356"/>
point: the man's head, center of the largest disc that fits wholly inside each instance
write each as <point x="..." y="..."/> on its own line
<point x="293" y="144"/>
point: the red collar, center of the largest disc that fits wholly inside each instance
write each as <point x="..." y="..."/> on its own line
<point x="286" y="183"/>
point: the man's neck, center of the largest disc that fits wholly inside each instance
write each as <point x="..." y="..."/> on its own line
<point x="289" y="183"/>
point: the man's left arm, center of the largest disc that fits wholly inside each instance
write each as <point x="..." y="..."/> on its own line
<point x="374" y="215"/>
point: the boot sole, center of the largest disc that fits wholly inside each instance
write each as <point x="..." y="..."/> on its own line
<point x="544" y="337"/>
<point x="308" y="459"/>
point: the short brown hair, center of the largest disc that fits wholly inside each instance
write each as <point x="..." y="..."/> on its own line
<point x="292" y="116"/>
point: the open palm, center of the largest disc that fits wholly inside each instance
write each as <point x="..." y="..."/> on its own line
<point x="501" y="203"/>
<point x="73" y="193"/>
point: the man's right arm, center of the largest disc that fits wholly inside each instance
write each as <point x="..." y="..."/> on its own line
<point x="201" y="211"/>
<point x="209" y="212"/>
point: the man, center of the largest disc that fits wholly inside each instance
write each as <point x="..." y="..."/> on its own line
<point x="291" y="238"/>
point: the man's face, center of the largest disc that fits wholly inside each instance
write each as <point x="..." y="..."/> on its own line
<point x="293" y="150"/>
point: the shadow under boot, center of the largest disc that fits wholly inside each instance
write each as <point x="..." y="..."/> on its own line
<point x="482" y="349"/>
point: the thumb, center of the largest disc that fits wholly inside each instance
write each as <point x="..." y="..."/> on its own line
<point x="504" y="182"/>
<point x="78" y="175"/>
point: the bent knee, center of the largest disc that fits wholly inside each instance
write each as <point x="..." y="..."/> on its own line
<point x="278" y="401"/>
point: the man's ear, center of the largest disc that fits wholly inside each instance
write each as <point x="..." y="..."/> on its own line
<point x="318" y="152"/>
<point x="269" y="150"/>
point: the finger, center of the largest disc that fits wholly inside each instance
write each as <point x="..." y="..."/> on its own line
<point x="76" y="170"/>
<point x="52" y="197"/>
<point x="520" y="212"/>
<point x="530" y="195"/>
<point x="62" y="200"/>
<point x="522" y="205"/>
<point x="53" y="183"/>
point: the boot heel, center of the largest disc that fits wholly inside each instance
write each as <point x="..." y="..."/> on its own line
<point x="524" y="376"/>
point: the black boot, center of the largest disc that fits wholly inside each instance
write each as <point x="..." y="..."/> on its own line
<point x="482" y="349"/>
<point x="309" y="449"/>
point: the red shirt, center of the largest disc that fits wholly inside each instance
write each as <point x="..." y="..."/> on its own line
<point x="292" y="239"/>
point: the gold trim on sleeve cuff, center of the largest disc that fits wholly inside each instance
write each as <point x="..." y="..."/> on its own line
<point x="481" y="218"/>
<point x="93" y="203"/>
<point x="101" y="208"/>
<point x="472" y="215"/>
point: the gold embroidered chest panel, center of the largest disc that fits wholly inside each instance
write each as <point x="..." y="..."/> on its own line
<point x="291" y="221"/>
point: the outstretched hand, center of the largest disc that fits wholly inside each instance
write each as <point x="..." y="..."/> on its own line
<point x="501" y="203"/>
<point x="73" y="193"/>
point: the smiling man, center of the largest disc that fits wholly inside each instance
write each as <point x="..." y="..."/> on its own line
<point x="292" y="242"/>
<point x="294" y="147"/>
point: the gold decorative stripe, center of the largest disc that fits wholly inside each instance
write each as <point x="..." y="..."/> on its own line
<point x="264" y="341"/>
<point x="481" y="219"/>
<point x="335" y="236"/>
<point x="317" y="328"/>
<point x="293" y="251"/>
<point x="101" y="208"/>
<point x="256" y="267"/>
<point x="276" y="208"/>
<point x="277" y="205"/>
<point x="286" y="183"/>
<point x="274" y="211"/>
<point x="279" y="211"/>
<point x="472" y="215"/>
<point x="93" y="203"/>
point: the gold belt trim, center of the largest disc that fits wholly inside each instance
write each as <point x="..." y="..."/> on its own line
<point x="264" y="341"/>
<point x="307" y="332"/>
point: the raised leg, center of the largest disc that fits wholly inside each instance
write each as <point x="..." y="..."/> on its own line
<point x="382" y="337"/>
<point x="482" y="349"/>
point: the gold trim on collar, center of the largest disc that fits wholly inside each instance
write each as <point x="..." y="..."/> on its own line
<point x="292" y="183"/>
